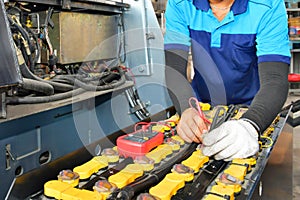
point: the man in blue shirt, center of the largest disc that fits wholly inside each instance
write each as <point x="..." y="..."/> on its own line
<point x="241" y="55"/>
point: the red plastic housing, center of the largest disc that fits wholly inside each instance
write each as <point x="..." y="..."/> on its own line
<point x="294" y="77"/>
<point x="138" y="143"/>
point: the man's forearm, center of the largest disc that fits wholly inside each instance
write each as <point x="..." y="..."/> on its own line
<point x="179" y="88"/>
<point x="271" y="95"/>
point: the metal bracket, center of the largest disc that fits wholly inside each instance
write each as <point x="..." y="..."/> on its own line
<point x="136" y="105"/>
<point x="150" y="36"/>
<point x="8" y="151"/>
<point x="66" y="4"/>
<point x="3" y="113"/>
<point x="140" y="106"/>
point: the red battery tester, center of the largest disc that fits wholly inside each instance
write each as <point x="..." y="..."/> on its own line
<point x="139" y="143"/>
<point x="143" y="140"/>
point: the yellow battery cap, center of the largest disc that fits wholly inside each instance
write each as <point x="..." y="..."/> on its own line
<point x="250" y="161"/>
<point x="78" y="194"/>
<point x="61" y="190"/>
<point x="94" y="165"/>
<point x="160" y="153"/>
<point x="168" y="186"/>
<point x="247" y="161"/>
<point x="179" y="139"/>
<point x="237" y="171"/>
<point x="126" y="175"/>
<point x="196" y="161"/>
<point x="205" y="106"/>
<point x="174" y="120"/>
<point x="158" y="128"/>
<point x="212" y="196"/>
<point x="223" y="191"/>
<point x="55" y="188"/>
<point x="268" y="131"/>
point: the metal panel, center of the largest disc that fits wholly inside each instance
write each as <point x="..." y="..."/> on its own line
<point x="107" y="6"/>
<point x="145" y="54"/>
<point x="83" y="37"/>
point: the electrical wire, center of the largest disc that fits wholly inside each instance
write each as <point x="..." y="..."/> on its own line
<point x="267" y="144"/>
<point x="112" y="78"/>
<point x="145" y="126"/>
<point x="137" y="106"/>
<point x="82" y="88"/>
<point x="43" y="99"/>
<point x="38" y="48"/>
<point x="122" y="46"/>
<point x="15" y="23"/>
<point x="37" y="86"/>
<point x="57" y="86"/>
<point x="66" y="86"/>
<point x="25" y="71"/>
<point x="197" y="107"/>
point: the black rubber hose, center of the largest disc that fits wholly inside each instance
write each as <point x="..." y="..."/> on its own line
<point x="57" y="86"/>
<point x="38" y="48"/>
<point x="28" y="74"/>
<point x="26" y="37"/>
<point x="23" y="50"/>
<point x="91" y="87"/>
<point x="62" y="77"/>
<point x="20" y="29"/>
<point x="102" y="87"/>
<point x="83" y="78"/>
<point x="63" y="81"/>
<point x="44" y="99"/>
<point x="37" y="86"/>
<point x="101" y="78"/>
<point x="134" y="101"/>
<point x="109" y="78"/>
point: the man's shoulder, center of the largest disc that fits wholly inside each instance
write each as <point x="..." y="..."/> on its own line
<point x="180" y="1"/>
<point x="268" y="3"/>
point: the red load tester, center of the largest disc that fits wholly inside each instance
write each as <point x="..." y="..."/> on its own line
<point x="139" y="143"/>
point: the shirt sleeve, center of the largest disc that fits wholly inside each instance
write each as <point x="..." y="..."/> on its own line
<point x="272" y="36"/>
<point x="177" y="32"/>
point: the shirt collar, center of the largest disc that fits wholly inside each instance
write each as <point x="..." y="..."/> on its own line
<point x="238" y="7"/>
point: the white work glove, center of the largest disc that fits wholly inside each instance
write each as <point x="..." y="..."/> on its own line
<point x="233" y="139"/>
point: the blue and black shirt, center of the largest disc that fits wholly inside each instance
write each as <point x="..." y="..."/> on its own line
<point x="226" y="53"/>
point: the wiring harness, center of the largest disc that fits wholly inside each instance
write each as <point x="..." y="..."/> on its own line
<point x="50" y="81"/>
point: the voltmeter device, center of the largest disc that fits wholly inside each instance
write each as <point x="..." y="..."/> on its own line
<point x="139" y="143"/>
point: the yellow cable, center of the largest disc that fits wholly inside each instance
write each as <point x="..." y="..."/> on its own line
<point x="269" y="144"/>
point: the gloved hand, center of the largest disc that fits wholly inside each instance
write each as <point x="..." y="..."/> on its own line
<point x="233" y="139"/>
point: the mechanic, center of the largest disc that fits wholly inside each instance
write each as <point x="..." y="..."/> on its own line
<point x="241" y="55"/>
